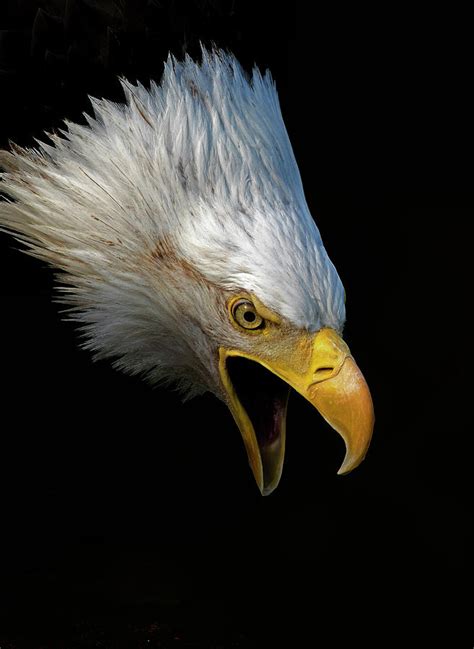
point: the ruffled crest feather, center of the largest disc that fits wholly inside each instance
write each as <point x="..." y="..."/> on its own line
<point x="195" y="173"/>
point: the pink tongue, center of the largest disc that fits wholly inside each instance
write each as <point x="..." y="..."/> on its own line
<point x="268" y="422"/>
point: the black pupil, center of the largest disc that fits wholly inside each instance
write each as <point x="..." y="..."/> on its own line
<point x="249" y="316"/>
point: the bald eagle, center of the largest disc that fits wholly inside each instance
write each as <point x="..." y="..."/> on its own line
<point x="188" y="254"/>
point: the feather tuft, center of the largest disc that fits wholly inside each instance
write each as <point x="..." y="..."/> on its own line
<point x="186" y="192"/>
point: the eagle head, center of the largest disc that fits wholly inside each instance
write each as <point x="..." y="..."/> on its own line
<point x="188" y="254"/>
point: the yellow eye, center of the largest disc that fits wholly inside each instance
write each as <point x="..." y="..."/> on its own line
<point x="245" y="314"/>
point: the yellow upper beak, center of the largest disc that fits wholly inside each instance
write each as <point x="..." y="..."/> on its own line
<point x="337" y="389"/>
<point x="321" y="368"/>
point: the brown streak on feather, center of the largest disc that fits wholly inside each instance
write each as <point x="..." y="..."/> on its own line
<point x="194" y="90"/>
<point x="140" y="108"/>
<point x="10" y="162"/>
<point x="165" y="254"/>
<point x="163" y="251"/>
<point x="191" y="271"/>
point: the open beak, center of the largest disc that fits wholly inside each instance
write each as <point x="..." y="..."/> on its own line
<point x="320" y="367"/>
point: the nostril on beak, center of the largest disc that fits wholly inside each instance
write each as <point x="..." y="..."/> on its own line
<point x="322" y="373"/>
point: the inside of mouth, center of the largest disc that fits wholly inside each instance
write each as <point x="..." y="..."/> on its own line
<point x="264" y="397"/>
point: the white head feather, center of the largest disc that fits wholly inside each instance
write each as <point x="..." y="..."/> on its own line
<point x="163" y="206"/>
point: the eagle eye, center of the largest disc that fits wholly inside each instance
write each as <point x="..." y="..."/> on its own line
<point x="245" y="315"/>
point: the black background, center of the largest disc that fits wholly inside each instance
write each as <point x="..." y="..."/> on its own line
<point x="128" y="519"/>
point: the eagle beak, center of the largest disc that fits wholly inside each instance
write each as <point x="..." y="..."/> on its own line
<point x="337" y="389"/>
<point x="320" y="368"/>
